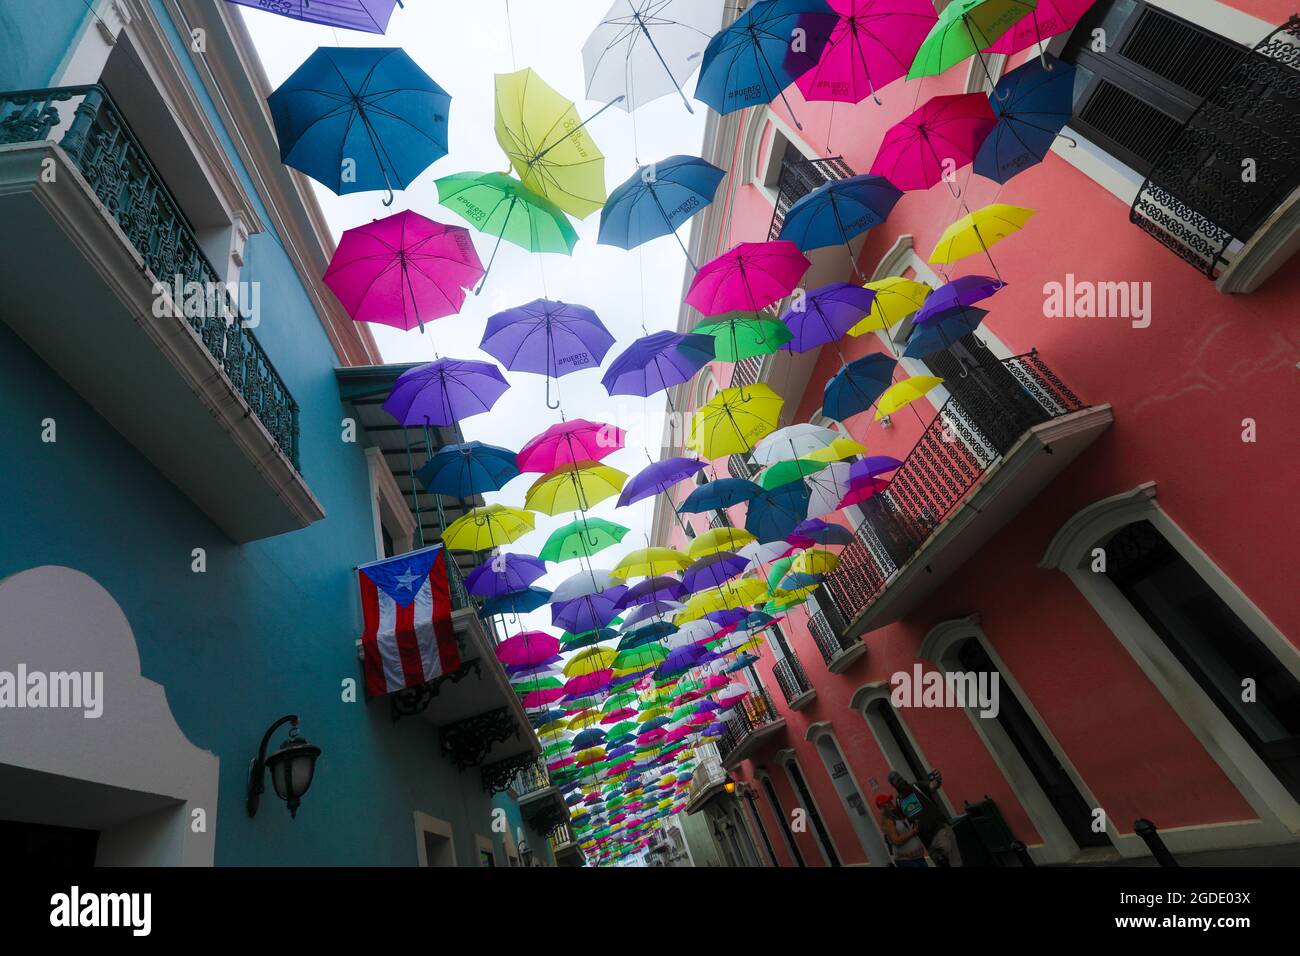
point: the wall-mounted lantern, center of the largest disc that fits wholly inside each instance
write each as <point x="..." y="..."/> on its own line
<point x="292" y="767"/>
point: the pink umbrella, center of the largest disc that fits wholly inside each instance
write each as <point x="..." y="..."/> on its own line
<point x="613" y="717"/>
<point x="527" y="649"/>
<point x="749" y="277"/>
<point x="568" y="443"/>
<point x="863" y="490"/>
<point x="941" y="137"/>
<point x="872" y="45"/>
<point x="1050" y="18"/>
<point x="585" y="684"/>
<point x="403" y="270"/>
<point x="540" y="698"/>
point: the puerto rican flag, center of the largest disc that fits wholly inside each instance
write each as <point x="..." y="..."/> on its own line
<point x="409" y="637"/>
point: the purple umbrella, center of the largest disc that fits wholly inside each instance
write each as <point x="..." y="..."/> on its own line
<point x="727" y="616"/>
<point x="817" y="531"/>
<point x="714" y="571"/>
<point x="445" y="391"/>
<point x="966" y="290"/>
<point x="870" y="467"/>
<point x="681" y="660"/>
<point x="369" y="16"/>
<point x="657" y="478"/>
<point x="644" y="612"/>
<point x="659" y="588"/>
<point x="547" y="338"/>
<point x="588" y="613"/>
<point x="503" y="574"/>
<point x="825" y="315"/>
<point x="655" y="362"/>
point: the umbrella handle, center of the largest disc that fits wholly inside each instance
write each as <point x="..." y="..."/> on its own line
<point x="548" y="395"/>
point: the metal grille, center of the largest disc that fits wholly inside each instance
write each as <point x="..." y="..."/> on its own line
<point x="791" y="678"/>
<point x="1126" y="119"/>
<point x="798" y="179"/>
<point x="1193" y="58"/>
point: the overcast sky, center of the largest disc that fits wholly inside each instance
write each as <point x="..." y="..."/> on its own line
<point x="462" y="45"/>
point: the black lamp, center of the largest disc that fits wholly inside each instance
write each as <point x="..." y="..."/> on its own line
<point x="292" y="767"/>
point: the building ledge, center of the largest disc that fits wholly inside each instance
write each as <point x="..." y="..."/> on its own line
<point x="748" y="745"/>
<point x="802" y="700"/>
<point x="847" y="658"/>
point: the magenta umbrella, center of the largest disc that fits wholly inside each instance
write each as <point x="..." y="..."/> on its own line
<point x="1047" y="20"/>
<point x="527" y="649"/>
<point x="403" y="270"/>
<point x="750" y="277"/>
<point x="873" y="43"/>
<point x="569" y="443"/>
<point x="942" y="136"/>
<point x="584" y="684"/>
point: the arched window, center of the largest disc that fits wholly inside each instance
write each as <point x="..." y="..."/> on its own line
<point x="809" y="806"/>
<point x="782" y="820"/>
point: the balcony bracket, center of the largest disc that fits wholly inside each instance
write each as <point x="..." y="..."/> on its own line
<point x="498" y="776"/>
<point x="470" y="740"/>
<point x="410" y="701"/>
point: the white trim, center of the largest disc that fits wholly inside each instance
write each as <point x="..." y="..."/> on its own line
<point x="424" y="823"/>
<point x="862" y="699"/>
<point x="782" y="822"/>
<point x="785" y="758"/>
<point x="388" y="506"/>
<point x="874" y="846"/>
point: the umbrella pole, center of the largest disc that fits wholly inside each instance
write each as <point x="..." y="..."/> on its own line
<point x="509" y="211"/>
<point x="651" y="40"/>
<point x="668" y="222"/>
<point x="614" y="102"/>
<point x="979" y="55"/>
<point x="844" y="236"/>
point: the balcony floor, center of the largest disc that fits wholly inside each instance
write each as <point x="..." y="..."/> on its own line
<point x="751" y="742"/>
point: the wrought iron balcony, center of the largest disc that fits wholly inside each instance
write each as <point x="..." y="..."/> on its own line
<point x="110" y="158"/>
<point x="1196" y="200"/>
<point x="984" y="441"/>
<point x="707" y="780"/>
<point x="794" y="683"/>
<point x="754" y="722"/>
<point x="798" y="179"/>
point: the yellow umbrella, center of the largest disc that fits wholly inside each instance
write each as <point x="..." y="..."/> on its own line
<point x="734" y="420"/>
<point x="981" y="229"/>
<point x="739" y="593"/>
<point x="554" y="728"/>
<point x="651" y="714"/>
<point x="904" y="393"/>
<point x="547" y="143"/>
<point x="648" y="562"/>
<point x="815" y="561"/>
<point x="716" y="540"/>
<point x="896" y="299"/>
<point x="837" y="450"/>
<point x="574" y="487"/>
<point x="590" y="660"/>
<point x="483" y="528"/>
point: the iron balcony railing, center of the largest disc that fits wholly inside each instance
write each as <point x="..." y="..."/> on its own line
<point x="752" y="713"/>
<point x="800" y="178"/>
<point x="999" y="402"/>
<point x="791" y="678"/>
<point x="708" y="773"/>
<point x="562" y="835"/>
<point x="109" y="156"/>
<point x="531" y="779"/>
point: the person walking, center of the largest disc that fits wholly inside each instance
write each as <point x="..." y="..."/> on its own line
<point x="920" y="805"/>
<point x="904" y="841"/>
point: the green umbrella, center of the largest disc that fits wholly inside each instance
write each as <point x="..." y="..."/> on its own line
<point x="780" y="568"/>
<point x="966" y="27"/>
<point x="784" y="472"/>
<point x="618" y="702"/>
<point x="739" y="335"/>
<point x="641" y="657"/>
<point x="581" y="539"/>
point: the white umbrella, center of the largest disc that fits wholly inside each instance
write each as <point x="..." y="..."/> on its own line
<point x="645" y="49"/>
<point x="827" y="488"/>
<point x="791" y="442"/>
<point x="758" y="554"/>
<point x="582" y="584"/>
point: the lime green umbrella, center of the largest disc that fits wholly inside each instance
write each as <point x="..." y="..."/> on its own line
<point x="784" y="472"/>
<point x="739" y="335"/>
<point x="498" y="205"/>
<point x="964" y="28"/>
<point x="618" y="702"/>
<point x="581" y="539"/>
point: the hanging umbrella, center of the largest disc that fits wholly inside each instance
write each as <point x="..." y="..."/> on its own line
<point x="504" y="573"/>
<point x="773" y="515"/>
<point x="567" y="443"/>
<point x="862" y="490"/>
<point x="547" y="338"/>
<point x="660" y="588"/>
<point x="904" y="393"/>
<point x="581" y="539"/>
<point x="644" y="614"/>
<point x="656" y="362"/>
<point x="471" y="468"/>
<point x="595" y="581"/>
<point x="734" y="419"/>
<point x="943" y="331"/>
<point x="649" y="562"/>
<point x="370" y="105"/>
<point x="826" y="315"/>
<point x="896" y="299"/>
<point x="681" y="660"/>
<point x="714" y="570"/>
<point x="966" y="290"/>
<point x="515" y="602"/>
<point x="403" y="270"/>
<point x="752" y="61"/>
<point x="938" y="139"/>
<point x="657" y="200"/>
<point x="964" y="28"/>
<point x="445" y="391"/>
<point x="873" y="44"/>
<point x="740" y="336"/>
<point x="793" y="441"/>
<point x="856" y="386"/>
<point x="1032" y="104"/>
<point x="369" y="16"/>
<point x="1048" y="19"/>
<point x="978" y="231"/>
<point x="645" y="49"/>
<point x="838" y="450"/>
<point x="497" y="205"/>
<point x="719" y="539"/>
<point x="574" y="487"/>
<point x="657" y="477"/>
<point x="547" y="144"/>
<point x="826" y="488"/>
<point x="749" y="277"/>
<point x="718" y="495"/>
<point x="480" y="529"/>
<point x="823" y="532"/>
<point x="588" y="613"/>
<point x="526" y="648"/>
<point x="838" y="211"/>
<point x="784" y="472"/>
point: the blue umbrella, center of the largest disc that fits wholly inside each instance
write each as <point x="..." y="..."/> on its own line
<point x="369" y="16"/>
<point x="360" y="118"/>
<point x="588" y="738"/>
<point x="471" y="468"/>
<point x="740" y="663"/>
<point x="837" y="211"/>
<point x="943" y="330"/>
<point x="515" y="602"/>
<point x="1032" y="103"/>
<point x="966" y="290"/>
<point x="824" y="532"/>
<point x="647" y="635"/>
<point x="751" y="62"/>
<point x="719" y="494"/>
<point x="857" y="385"/>
<point x="774" y="514"/>
<point x="656" y="200"/>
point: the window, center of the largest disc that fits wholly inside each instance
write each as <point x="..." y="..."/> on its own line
<point x="782" y="820"/>
<point x="1217" y="648"/>
<point x="894" y="741"/>
<point x="434" y="844"/>
<point x="810" y="808"/>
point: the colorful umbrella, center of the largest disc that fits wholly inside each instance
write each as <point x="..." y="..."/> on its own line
<point x="1049" y="18"/>
<point x="567" y="443"/>
<point x="718" y="495"/>
<point x="547" y="338"/>
<point x="360" y="118"/>
<point x="574" y="487"/>
<point x="527" y="648"/>
<point x="581" y="539"/>
<point x="749" y="277"/>
<point x="943" y="330"/>
<point x="504" y="573"/>
<point x="896" y="299"/>
<point x="740" y="336"/>
<point x="464" y="470"/>
<point x="978" y="231"/>
<point x="657" y="477"/>
<point x="904" y="393"/>
<point x="403" y="270"/>
<point x="714" y="570"/>
<point x="445" y="392"/>
<point x="644" y="49"/>
<point x="658" y="588"/>
<point x="657" y="362"/>
<point x="838" y="211"/>
<point x="838" y="450"/>
<point x="515" y="602"/>
<point x="480" y="529"/>
<point x="793" y="441"/>
<point x="966" y="27"/>
<point x="719" y="539"/>
<point x="966" y="290"/>
<point x="823" y="532"/>
<point x="369" y="16"/>
<point x="1032" y="104"/>
<point x="935" y="141"/>
<point x="872" y="44"/>
<point x="733" y="420"/>
<point x="657" y="200"/>
<point x="650" y="562"/>
<point x="773" y="515"/>
<point x="825" y="315"/>
<point x="856" y="386"/>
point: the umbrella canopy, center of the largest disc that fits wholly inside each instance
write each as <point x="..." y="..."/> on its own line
<point x="966" y="290"/>
<point x="838" y="450"/>
<point x="734" y="420"/>
<point x="938" y="139"/>
<point x="826" y="315"/>
<point x="403" y="270"/>
<point x="749" y="277"/>
<point x="784" y="472"/>
<point x="719" y="539"/>
<point x="793" y="441"/>
<point x="586" y="582"/>
<point x="839" y="210"/>
<point x="547" y="338"/>
<point x="872" y="466"/>
<point x="445" y="391"/>
<point x="467" y="469"/>
<point x="581" y="539"/>
<point x="656" y="362"/>
<point x="527" y="648"/>
<point x="649" y="562"/>
<point x="567" y="443"/>
<point x="714" y="570"/>
<point x="978" y="231"/>
<point x="644" y="49"/>
<point x="574" y="487"/>
<point x="503" y="574"/>
<point x="718" y="495"/>
<point x="1032" y="104"/>
<point x="943" y="331"/>
<point x="515" y="602"/>
<point x="1047" y="19"/>
<point x="826" y="488"/>
<point x="904" y="393"/>
<point x="873" y="44"/>
<point x="658" y="477"/>
<point x="773" y="515"/>
<point x="823" y="532"/>
<point x="752" y="61"/>
<point x="660" y="588"/>
<point x="371" y="105"/>
<point x="964" y="28"/>
<point x="740" y="336"/>
<point x="588" y="613"/>
<point x="368" y="16"/>
<point x="856" y="386"/>
<point x="896" y="299"/>
<point x="657" y="200"/>
<point x="548" y="144"/>
<point x="480" y="529"/>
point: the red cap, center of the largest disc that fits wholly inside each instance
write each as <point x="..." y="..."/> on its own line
<point x="883" y="798"/>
